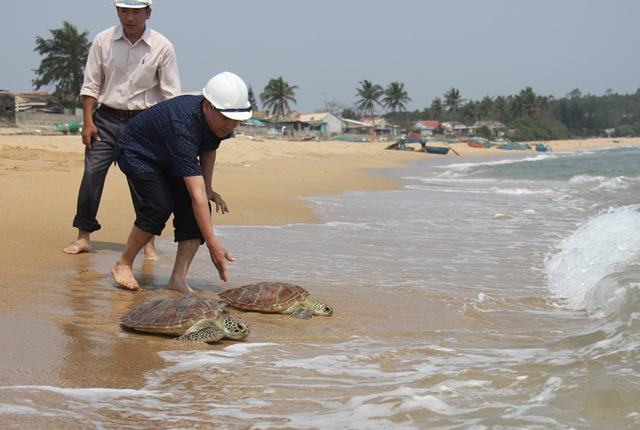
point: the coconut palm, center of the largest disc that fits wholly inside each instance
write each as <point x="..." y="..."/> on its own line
<point x="436" y="111"/>
<point x="251" y="98"/>
<point x="369" y="97"/>
<point x="63" y="65"/>
<point x="277" y="95"/>
<point x="528" y="104"/>
<point x="471" y="112"/>
<point x="486" y="107"/>
<point x="501" y="108"/>
<point x="453" y="101"/>
<point x="395" y="97"/>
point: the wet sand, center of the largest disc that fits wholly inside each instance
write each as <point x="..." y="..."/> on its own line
<point x="60" y="313"/>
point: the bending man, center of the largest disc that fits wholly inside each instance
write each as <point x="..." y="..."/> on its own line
<point x="168" y="153"/>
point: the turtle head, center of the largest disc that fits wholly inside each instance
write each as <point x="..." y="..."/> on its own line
<point x="235" y="328"/>
<point x="320" y="308"/>
<point x="223" y="305"/>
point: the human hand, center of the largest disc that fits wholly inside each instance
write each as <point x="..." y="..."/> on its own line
<point x="219" y="257"/>
<point x="89" y="132"/>
<point x="221" y="205"/>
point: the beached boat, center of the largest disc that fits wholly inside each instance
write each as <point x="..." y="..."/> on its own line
<point x="512" y="145"/>
<point x="541" y="147"/>
<point x="414" y="138"/>
<point x="436" y="150"/>
<point x="475" y="144"/>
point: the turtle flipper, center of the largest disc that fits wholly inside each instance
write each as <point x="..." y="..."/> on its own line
<point x="209" y="334"/>
<point x="303" y="312"/>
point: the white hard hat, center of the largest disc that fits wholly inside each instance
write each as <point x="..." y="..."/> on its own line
<point x="133" y="4"/>
<point x="228" y="94"/>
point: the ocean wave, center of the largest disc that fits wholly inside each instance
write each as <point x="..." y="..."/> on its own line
<point x="520" y="191"/>
<point x="465" y="166"/>
<point x="593" y="268"/>
<point x="464" y="170"/>
<point x="605" y="182"/>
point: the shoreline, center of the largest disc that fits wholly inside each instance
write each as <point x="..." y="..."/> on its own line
<point x="66" y="309"/>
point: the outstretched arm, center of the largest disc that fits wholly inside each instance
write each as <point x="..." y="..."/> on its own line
<point x="207" y="162"/>
<point x="199" y="199"/>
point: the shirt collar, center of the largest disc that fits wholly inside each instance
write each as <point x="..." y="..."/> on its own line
<point x="118" y="33"/>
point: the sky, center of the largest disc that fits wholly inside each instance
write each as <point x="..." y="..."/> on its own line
<point x="326" y="48"/>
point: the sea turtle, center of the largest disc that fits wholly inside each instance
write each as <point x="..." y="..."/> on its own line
<point x="275" y="297"/>
<point x="191" y="317"/>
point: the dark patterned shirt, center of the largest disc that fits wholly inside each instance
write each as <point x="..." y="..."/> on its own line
<point x="171" y="134"/>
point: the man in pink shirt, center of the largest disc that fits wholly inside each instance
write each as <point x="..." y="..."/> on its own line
<point x="130" y="68"/>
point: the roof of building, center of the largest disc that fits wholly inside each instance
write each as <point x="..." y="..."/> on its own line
<point x="428" y="124"/>
<point x="313" y="117"/>
<point x="354" y="123"/>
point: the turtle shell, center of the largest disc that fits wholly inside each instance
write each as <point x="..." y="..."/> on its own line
<point x="273" y="297"/>
<point x="173" y="315"/>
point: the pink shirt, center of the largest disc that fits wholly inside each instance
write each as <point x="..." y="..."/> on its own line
<point x="131" y="77"/>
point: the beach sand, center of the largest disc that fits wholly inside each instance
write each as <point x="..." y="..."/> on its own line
<point x="60" y="313"/>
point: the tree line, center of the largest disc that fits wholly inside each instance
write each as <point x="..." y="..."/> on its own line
<point x="525" y="116"/>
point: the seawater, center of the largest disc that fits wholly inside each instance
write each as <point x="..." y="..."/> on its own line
<point x="484" y="293"/>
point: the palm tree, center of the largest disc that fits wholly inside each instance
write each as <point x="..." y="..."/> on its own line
<point x="486" y="107"/>
<point x="501" y="108"/>
<point x="251" y="98"/>
<point x="276" y="97"/>
<point x="437" y="110"/>
<point x="471" y="112"/>
<point x="395" y="97"/>
<point x="369" y="95"/>
<point x="63" y="65"/>
<point x="453" y="101"/>
<point x="528" y="104"/>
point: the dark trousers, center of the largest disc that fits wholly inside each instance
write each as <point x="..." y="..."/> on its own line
<point x="97" y="162"/>
<point x="156" y="197"/>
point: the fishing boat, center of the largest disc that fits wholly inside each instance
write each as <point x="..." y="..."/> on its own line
<point x="414" y="138"/>
<point x="475" y="144"/>
<point x="512" y="145"/>
<point x="542" y="147"/>
<point x="436" y="150"/>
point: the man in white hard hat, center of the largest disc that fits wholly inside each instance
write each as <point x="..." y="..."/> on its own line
<point x="168" y="153"/>
<point x="130" y="68"/>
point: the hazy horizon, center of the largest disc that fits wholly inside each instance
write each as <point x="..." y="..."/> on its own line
<point x="481" y="48"/>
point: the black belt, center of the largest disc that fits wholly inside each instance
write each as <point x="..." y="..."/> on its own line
<point x="119" y="112"/>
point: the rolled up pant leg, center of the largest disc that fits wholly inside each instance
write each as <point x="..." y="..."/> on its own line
<point x="184" y="219"/>
<point x="156" y="197"/>
<point x="152" y="201"/>
<point x="97" y="162"/>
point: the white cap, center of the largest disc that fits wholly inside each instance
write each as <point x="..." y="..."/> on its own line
<point x="229" y="95"/>
<point x="133" y="4"/>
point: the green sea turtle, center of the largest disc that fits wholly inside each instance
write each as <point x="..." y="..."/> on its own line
<point x="191" y="317"/>
<point x="275" y="297"/>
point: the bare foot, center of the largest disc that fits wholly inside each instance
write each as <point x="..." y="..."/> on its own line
<point x="77" y="247"/>
<point x="180" y="286"/>
<point x="150" y="250"/>
<point x="123" y="276"/>
<point x="150" y="253"/>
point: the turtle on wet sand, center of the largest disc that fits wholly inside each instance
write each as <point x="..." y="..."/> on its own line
<point x="191" y="317"/>
<point x="275" y="297"/>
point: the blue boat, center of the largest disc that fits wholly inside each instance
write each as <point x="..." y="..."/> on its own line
<point x="542" y="147"/>
<point x="436" y="150"/>
<point x="511" y="145"/>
